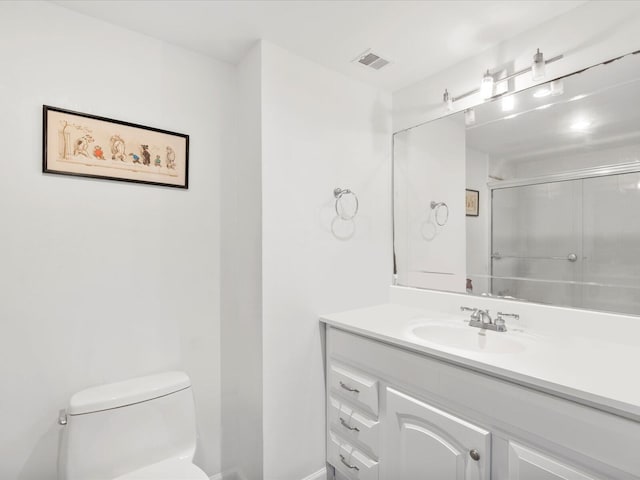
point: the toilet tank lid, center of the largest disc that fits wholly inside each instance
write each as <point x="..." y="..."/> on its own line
<point x="127" y="392"/>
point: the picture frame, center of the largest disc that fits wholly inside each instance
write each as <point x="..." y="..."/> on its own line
<point x="84" y="145"/>
<point x="472" y="203"/>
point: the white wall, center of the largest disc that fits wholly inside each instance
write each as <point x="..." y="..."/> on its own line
<point x="320" y="130"/>
<point x="591" y="33"/>
<point x="103" y="280"/>
<point x="241" y="287"/>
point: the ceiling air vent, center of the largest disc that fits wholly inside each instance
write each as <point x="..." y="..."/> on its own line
<point x="371" y="60"/>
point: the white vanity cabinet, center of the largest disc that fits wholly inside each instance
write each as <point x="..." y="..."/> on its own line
<point x="526" y="464"/>
<point x="398" y="414"/>
<point x="423" y="440"/>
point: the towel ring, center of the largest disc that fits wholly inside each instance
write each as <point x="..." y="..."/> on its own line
<point x="437" y="206"/>
<point x="338" y="193"/>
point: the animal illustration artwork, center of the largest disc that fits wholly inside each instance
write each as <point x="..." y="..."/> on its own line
<point x="98" y="153"/>
<point x="136" y="158"/>
<point x="146" y="156"/>
<point x="171" y="158"/>
<point x="157" y="161"/>
<point x="81" y="145"/>
<point x="117" y="148"/>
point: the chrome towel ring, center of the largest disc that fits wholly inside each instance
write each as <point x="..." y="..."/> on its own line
<point x="440" y="207"/>
<point x="338" y="193"/>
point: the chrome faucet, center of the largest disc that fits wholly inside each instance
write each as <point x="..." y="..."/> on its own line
<point x="482" y="319"/>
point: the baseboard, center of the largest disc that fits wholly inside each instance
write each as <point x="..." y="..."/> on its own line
<point x="319" y="475"/>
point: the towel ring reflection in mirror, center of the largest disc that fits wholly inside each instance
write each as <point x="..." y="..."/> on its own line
<point x="441" y="209"/>
<point x="341" y="211"/>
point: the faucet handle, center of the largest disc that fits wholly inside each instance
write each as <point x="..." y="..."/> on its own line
<point x="475" y="312"/>
<point x="515" y="316"/>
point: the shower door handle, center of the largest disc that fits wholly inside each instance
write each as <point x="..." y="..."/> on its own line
<point x="571" y="257"/>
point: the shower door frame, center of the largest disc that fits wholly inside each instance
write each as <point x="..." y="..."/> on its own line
<point x="595" y="172"/>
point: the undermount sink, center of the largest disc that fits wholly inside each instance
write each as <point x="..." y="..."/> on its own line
<point x="464" y="337"/>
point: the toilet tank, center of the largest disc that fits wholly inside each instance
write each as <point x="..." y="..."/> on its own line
<point x="116" y="428"/>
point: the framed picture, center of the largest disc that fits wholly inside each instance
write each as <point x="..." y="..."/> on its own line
<point x="472" y="202"/>
<point x="90" y="146"/>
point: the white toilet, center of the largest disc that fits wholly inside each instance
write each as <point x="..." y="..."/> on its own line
<point x="143" y="428"/>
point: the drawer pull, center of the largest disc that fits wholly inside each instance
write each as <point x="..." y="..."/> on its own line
<point x="348" y="388"/>
<point x="348" y="465"/>
<point x="474" y="454"/>
<point x="347" y="426"/>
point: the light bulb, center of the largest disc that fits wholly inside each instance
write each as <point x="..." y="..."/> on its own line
<point x="508" y="103"/>
<point x="486" y="86"/>
<point x="469" y="116"/>
<point x="448" y="100"/>
<point x="542" y="92"/>
<point x="538" y="69"/>
<point x="557" y="88"/>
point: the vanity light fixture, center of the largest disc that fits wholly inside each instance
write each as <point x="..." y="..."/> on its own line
<point x="448" y="100"/>
<point x="491" y="81"/>
<point x="469" y="116"/>
<point x="542" y="92"/>
<point x="508" y="103"/>
<point x="486" y="86"/>
<point x="538" y="67"/>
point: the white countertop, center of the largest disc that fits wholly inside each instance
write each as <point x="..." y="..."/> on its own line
<point x="598" y="373"/>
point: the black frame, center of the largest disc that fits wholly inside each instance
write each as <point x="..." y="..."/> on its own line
<point x="477" y="192"/>
<point x="45" y="169"/>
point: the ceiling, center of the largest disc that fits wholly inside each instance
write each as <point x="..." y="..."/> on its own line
<point x="420" y="38"/>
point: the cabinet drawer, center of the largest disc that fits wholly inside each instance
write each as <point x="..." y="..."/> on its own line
<point x="350" y="461"/>
<point x="354" y="425"/>
<point x="355" y="386"/>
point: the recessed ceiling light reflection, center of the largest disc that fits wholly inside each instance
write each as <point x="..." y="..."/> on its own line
<point x="544" y="107"/>
<point x="577" y="97"/>
<point x="542" y="92"/>
<point x="580" y="125"/>
<point x="511" y="116"/>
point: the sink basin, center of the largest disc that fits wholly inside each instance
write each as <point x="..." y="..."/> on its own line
<point x="464" y="337"/>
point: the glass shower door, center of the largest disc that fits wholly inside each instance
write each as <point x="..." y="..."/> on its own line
<point x="537" y="242"/>
<point x="611" y="249"/>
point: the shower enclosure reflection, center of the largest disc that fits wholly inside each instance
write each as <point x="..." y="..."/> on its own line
<point x="559" y="183"/>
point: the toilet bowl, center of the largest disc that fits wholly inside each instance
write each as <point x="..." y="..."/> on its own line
<point x="138" y="429"/>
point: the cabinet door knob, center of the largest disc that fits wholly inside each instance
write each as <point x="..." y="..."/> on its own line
<point x="474" y="454"/>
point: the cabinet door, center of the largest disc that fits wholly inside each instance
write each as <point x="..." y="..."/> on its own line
<point x="525" y="464"/>
<point x="424" y="443"/>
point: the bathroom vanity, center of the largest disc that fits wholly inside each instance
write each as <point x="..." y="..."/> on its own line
<point x="417" y="393"/>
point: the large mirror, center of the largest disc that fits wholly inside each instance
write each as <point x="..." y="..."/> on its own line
<point x="533" y="196"/>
